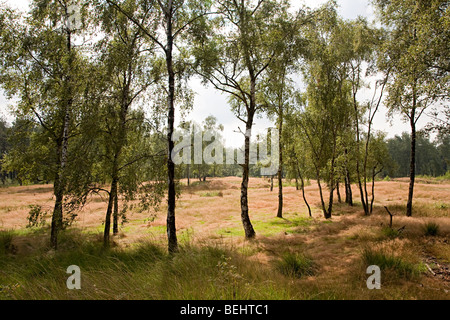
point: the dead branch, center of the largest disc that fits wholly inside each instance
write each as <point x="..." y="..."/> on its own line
<point x="391" y="216"/>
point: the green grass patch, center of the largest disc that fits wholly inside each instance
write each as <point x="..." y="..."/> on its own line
<point x="6" y="238"/>
<point x="248" y="250"/>
<point x="430" y="229"/>
<point x="94" y="230"/>
<point x="271" y="227"/>
<point x="428" y="210"/>
<point x="25" y="232"/>
<point x="388" y="262"/>
<point x="157" y="229"/>
<point x="232" y="231"/>
<point x="431" y="179"/>
<point x="387" y="232"/>
<point x="211" y="194"/>
<point x="296" y="265"/>
<point x="422" y="210"/>
<point x="277" y="225"/>
<point x="441" y="206"/>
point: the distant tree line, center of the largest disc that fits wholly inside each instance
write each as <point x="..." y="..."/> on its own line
<point x="432" y="157"/>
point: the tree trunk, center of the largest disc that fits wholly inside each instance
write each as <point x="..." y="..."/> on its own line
<point x="280" y="164"/>
<point x="303" y="192"/>
<point x="188" y="176"/>
<point x="121" y="143"/>
<point x="348" y="189"/>
<point x="248" y="228"/>
<point x="374" y="174"/>
<point x="358" y="170"/>
<point x="112" y="202"/>
<point x="116" y="213"/>
<point x="171" y="199"/>
<point x="280" y="195"/>
<point x="366" y="156"/>
<point x="322" y="202"/>
<point x="63" y="146"/>
<point x="56" y="224"/>
<point x="271" y="183"/>
<point x="338" y="192"/>
<point x="366" y="194"/>
<point x="361" y="191"/>
<point x="412" y="168"/>
<point x="109" y="211"/>
<point x="330" y="203"/>
<point x="332" y="184"/>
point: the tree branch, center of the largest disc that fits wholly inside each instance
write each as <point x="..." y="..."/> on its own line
<point x="137" y="23"/>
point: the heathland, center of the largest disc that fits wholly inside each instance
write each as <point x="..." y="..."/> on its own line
<point x="296" y="257"/>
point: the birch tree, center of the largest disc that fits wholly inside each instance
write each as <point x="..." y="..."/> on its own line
<point x="168" y="26"/>
<point x="43" y="67"/>
<point x="128" y="70"/>
<point x="278" y="91"/>
<point x="413" y="55"/>
<point x="246" y="41"/>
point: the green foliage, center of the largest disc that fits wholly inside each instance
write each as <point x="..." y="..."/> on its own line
<point x="446" y="176"/>
<point x="36" y="217"/>
<point x="413" y="53"/>
<point x="29" y="154"/>
<point x="431" y="157"/>
<point x="326" y="111"/>
<point x="4" y="146"/>
<point x="78" y="122"/>
<point x="49" y="76"/>
<point x="211" y="164"/>
<point x="80" y="118"/>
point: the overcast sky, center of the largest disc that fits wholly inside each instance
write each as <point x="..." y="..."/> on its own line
<point x="208" y="101"/>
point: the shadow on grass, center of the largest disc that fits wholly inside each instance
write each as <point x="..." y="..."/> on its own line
<point x="32" y="189"/>
<point x="211" y="185"/>
<point x="435" y="210"/>
<point x="141" y="271"/>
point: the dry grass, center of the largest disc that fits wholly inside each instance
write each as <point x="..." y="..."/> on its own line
<point x="208" y="214"/>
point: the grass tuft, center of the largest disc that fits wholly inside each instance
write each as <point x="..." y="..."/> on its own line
<point x="6" y="238"/>
<point x="390" y="233"/>
<point x="386" y="261"/>
<point x="431" y="229"/>
<point x="212" y="194"/>
<point x="296" y="265"/>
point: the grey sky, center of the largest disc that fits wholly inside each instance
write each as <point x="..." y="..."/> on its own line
<point x="209" y="101"/>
